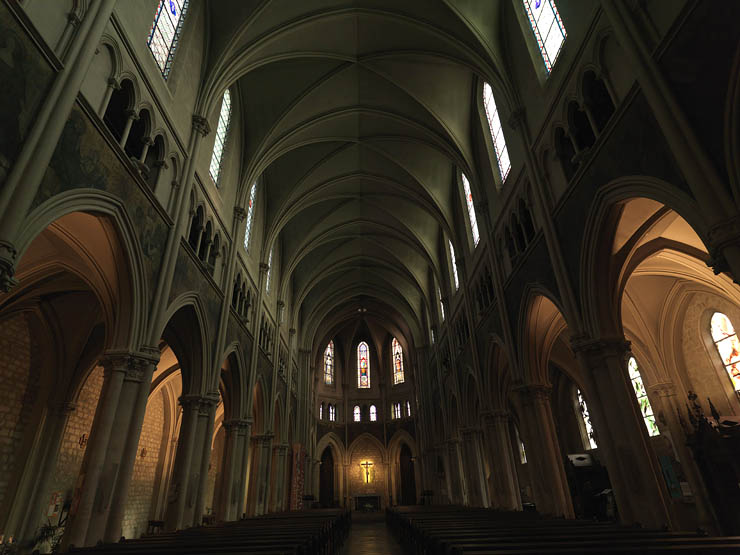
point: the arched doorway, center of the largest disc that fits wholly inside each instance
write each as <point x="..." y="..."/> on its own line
<point x="326" y="479"/>
<point x="408" y="480"/>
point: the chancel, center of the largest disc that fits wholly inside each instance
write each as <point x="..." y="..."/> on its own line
<point x="369" y="276"/>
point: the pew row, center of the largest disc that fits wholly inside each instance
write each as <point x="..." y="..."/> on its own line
<point x="316" y="532"/>
<point x="452" y="530"/>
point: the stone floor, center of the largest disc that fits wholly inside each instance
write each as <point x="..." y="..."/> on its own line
<point x="370" y="536"/>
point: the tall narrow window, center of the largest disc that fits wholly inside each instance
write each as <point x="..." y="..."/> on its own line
<point x="642" y="398"/>
<point x="356" y="413"/>
<point x="329" y="364"/>
<point x="441" y="304"/>
<point x="224" y="119"/>
<point x="471" y="211"/>
<point x="586" y="419"/>
<point x="397" y="362"/>
<point x="363" y="366"/>
<point x="165" y="32"/>
<point x="321" y="411"/>
<point x="332" y="413"/>
<point x="548" y="29"/>
<point x="408" y="408"/>
<point x="269" y="271"/>
<point x="728" y="346"/>
<point x="373" y="413"/>
<point x="454" y="266"/>
<point x="250" y="216"/>
<point x="497" y="132"/>
<point x="522" y="450"/>
<point x="396" y="410"/>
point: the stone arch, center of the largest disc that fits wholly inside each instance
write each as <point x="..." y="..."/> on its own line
<point x="400" y="439"/>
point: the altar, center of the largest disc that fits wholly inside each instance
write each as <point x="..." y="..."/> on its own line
<point x="367" y="502"/>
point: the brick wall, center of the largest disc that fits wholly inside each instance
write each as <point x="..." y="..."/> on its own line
<point x="366" y="450"/>
<point x="138" y="505"/>
<point x="18" y="389"/>
<point x="79" y="422"/>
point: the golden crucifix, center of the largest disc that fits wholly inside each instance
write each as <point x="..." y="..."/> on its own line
<point x="367" y="465"/>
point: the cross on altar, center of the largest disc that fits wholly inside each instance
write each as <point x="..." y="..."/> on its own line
<point x="367" y="465"/>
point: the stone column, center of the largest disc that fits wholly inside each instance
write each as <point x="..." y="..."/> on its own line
<point x="549" y="481"/>
<point x="281" y="451"/>
<point x="458" y="490"/>
<point x="263" y="476"/>
<point x="504" y="484"/>
<point x="240" y="470"/>
<point x="177" y="495"/>
<point x="206" y="414"/>
<point x="477" y="491"/>
<point x="633" y="468"/>
<point x="113" y="85"/>
<point x="131" y="117"/>
<point x="228" y="471"/>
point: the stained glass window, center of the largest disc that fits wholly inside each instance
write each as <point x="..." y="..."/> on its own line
<point x="397" y="362"/>
<point x="269" y="271"/>
<point x="165" y="32"/>
<point x="329" y="364"/>
<point x="250" y="216"/>
<point x="471" y="211"/>
<point x="396" y="410"/>
<point x="454" y="266"/>
<point x="642" y="398"/>
<point x="321" y="411"/>
<point x="363" y="366"/>
<point x="728" y="346"/>
<point x="356" y="413"/>
<point x="373" y="413"/>
<point x="497" y="132"/>
<point x="586" y="419"/>
<point x="408" y="408"/>
<point x="332" y="413"/>
<point x="548" y="29"/>
<point x="224" y="119"/>
<point x="441" y="304"/>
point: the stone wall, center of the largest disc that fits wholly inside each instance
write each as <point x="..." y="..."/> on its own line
<point x="18" y="386"/>
<point x="138" y="505"/>
<point x="71" y="453"/>
<point x="367" y="450"/>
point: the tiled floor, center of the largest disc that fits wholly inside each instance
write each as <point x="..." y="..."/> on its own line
<point x="370" y="536"/>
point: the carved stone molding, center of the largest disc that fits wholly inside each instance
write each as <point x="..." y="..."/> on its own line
<point x="134" y="367"/>
<point x="8" y="253"/>
<point x="264" y="268"/>
<point x="607" y="346"/>
<point x="516" y="118"/>
<point x="201" y="125"/>
<point x="725" y="233"/>
<point x="534" y="392"/>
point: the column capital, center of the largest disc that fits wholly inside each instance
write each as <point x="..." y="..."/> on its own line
<point x="239" y="213"/>
<point x="133" y="365"/>
<point x="264" y="268"/>
<point x="65" y="407"/>
<point x="604" y="346"/>
<point x="663" y="389"/>
<point x="238" y="424"/>
<point x="132" y="114"/>
<point x="492" y="417"/>
<point x="8" y="254"/>
<point x="114" y="83"/>
<point x="201" y="125"/>
<point x="534" y="392"/>
<point x="516" y="118"/>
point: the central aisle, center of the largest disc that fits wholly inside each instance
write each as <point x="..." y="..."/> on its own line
<point x="370" y="536"/>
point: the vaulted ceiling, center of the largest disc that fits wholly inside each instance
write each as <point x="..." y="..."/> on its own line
<point x="357" y="115"/>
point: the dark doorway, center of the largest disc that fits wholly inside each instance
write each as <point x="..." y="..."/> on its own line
<point x="326" y="479"/>
<point x="408" y="480"/>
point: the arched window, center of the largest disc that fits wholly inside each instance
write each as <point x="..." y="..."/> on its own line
<point x="373" y="413"/>
<point x="548" y="29"/>
<point x="356" y="413"/>
<point x="269" y="271"/>
<point x="586" y="419"/>
<point x="224" y="119"/>
<point x="321" y="411"/>
<point x="363" y="366"/>
<point x="728" y="346"/>
<point x="165" y="32"/>
<point x="522" y="450"/>
<point x="397" y="362"/>
<point x="329" y="364"/>
<point x="408" y="408"/>
<point x="454" y="266"/>
<point x="250" y="216"/>
<point x="497" y="132"/>
<point x="396" y="410"/>
<point x="471" y="211"/>
<point x="642" y="398"/>
<point x="332" y="413"/>
<point x="441" y="304"/>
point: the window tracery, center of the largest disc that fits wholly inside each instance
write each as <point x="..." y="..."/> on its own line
<point x="356" y="413"/>
<point x="642" y="398"/>
<point x="373" y="413"/>
<point x="727" y="344"/>
<point x="222" y="131"/>
<point x="586" y="419"/>
<point x="497" y="132"/>
<point x="363" y="366"/>
<point x="397" y="362"/>
<point x="164" y="34"/>
<point x="472" y="220"/>
<point x="548" y="29"/>
<point x="250" y="216"/>
<point x="329" y="364"/>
